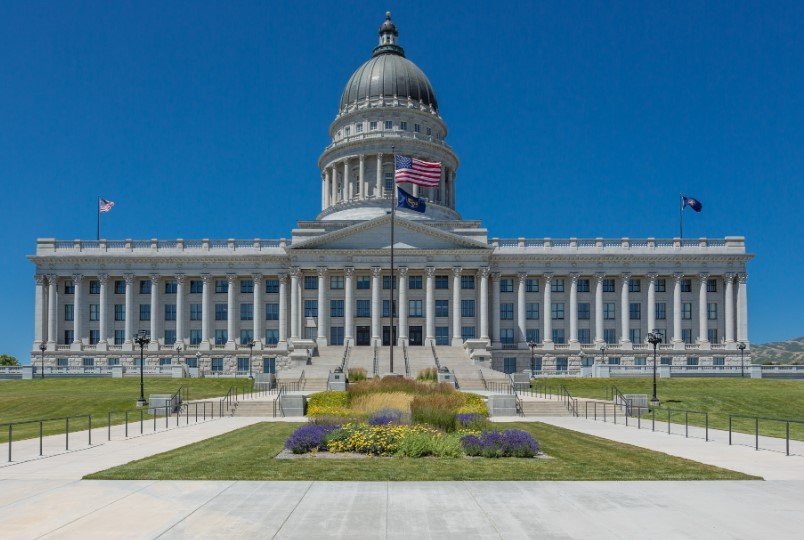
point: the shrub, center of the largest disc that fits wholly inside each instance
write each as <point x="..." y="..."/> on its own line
<point x="371" y="403"/>
<point x="472" y="422"/>
<point x="493" y="444"/>
<point x="330" y="403"/>
<point x="354" y="375"/>
<point x="437" y="410"/>
<point x="473" y="404"/>
<point x="420" y="444"/>
<point x="398" y="384"/>
<point x="427" y="374"/>
<point x="385" y="417"/>
<point x="308" y="438"/>
<point x="376" y="440"/>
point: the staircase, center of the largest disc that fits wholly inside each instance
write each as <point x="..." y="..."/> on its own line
<point x="468" y="375"/>
<point x="544" y="407"/>
<point x="362" y="357"/>
<point x="254" y="408"/>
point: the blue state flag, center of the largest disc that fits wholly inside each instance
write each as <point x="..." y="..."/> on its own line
<point x="406" y="200"/>
<point x="695" y="204"/>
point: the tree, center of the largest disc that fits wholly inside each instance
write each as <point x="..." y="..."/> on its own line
<point x="8" y="360"/>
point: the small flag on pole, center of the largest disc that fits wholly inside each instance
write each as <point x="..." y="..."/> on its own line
<point x="695" y="204"/>
<point x="416" y="171"/>
<point x="104" y="205"/>
<point x="406" y="200"/>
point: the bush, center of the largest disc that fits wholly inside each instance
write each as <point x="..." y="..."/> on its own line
<point x="494" y="444"/>
<point x="376" y="440"/>
<point x="472" y="422"/>
<point x="385" y="417"/>
<point x="354" y="375"/>
<point x="437" y="410"/>
<point x="371" y="403"/>
<point x="473" y="404"/>
<point x="330" y="403"/>
<point x="420" y="444"/>
<point x="427" y="374"/>
<point x="308" y="438"/>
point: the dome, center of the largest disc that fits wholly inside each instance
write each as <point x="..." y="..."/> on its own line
<point x="388" y="73"/>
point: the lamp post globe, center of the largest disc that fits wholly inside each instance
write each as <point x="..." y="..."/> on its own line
<point x="42" y="348"/>
<point x="654" y="338"/>
<point x="741" y="346"/>
<point x="142" y="340"/>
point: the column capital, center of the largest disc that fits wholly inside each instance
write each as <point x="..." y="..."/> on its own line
<point x="625" y="276"/>
<point x="77" y="277"/>
<point x="129" y="278"/>
<point x="379" y="155"/>
<point x="206" y="278"/>
<point x="574" y="276"/>
<point x="295" y="271"/>
<point x="495" y="276"/>
<point x="403" y="271"/>
<point x="548" y="277"/>
<point x="678" y="276"/>
<point x="349" y="271"/>
<point x="521" y="276"/>
<point x="155" y="279"/>
<point x="456" y="271"/>
<point x="256" y="276"/>
<point x="430" y="271"/>
<point x="729" y="276"/>
<point x="742" y="277"/>
<point x="52" y="279"/>
<point x="103" y="277"/>
<point x="484" y="271"/>
<point x="600" y="276"/>
<point x="652" y="276"/>
<point x="322" y="271"/>
<point x="376" y="271"/>
<point x="703" y="276"/>
<point x="39" y="279"/>
<point x="180" y="279"/>
<point x="362" y="158"/>
<point x="230" y="278"/>
<point x="283" y="278"/>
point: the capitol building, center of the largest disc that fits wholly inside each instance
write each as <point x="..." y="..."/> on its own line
<point x="474" y="302"/>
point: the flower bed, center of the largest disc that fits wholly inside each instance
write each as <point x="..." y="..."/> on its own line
<point x="496" y="444"/>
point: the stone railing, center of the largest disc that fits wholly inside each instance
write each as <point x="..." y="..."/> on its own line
<point x="392" y="135"/>
<point x="230" y="245"/>
<point x="729" y="244"/>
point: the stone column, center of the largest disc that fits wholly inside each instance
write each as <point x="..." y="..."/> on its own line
<point x="729" y="308"/>
<point x="181" y="309"/>
<point x="323" y="320"/>
<point x="325" y="189"/>
<point x="294" y="303"/>
<point x="376" y="306"/>
<point x="651" y="301"/>
<point x="495" y="307"/>
<point x="363" y="181"/>
<point x="599" y="339"/>
<point x="347" y="182"/>
<point x="402" y="333"/>
<point x="442" y="187"/>
<point x="677" y="307"/>
<point x="39" y="310"/>
<point x="283" y="308"/>
<point x="206" y="309"/>
<point x="548" y="311"/>
<point x="78" y="314"/>
<point x="521" y="313"/>
<point x="484" y="303"/>
<point x="573" y="308"/>
<point x="703" y="336"/>
<point x="456" y="340"/>
<point x="624" y="308"/>
<point x="52" y="310"/>
<point x="103" y="307"/>
<point x="378" y="187"/>
<point x="257" y="311"/>
<point x="231" y="316"/>
<point x="430" y="305"/>
<point x="742" y="308"/>
<point x="333" y="185"/>
<point x="155" y="313"/>
<point x="348" y="305"/>
<point x="129" y="326"/>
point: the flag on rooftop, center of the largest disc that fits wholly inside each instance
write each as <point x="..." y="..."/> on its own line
<point x="104" y="205"/>
<point x="695" y="204"/>
<point x="416" y="171"/>
<point x="406" y="200"/>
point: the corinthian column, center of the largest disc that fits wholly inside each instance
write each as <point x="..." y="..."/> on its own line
<point x="651" y="302"/>
<point x="548" y="311"/>
<point x="333" y="185"/>
<point x="230" y="311"/>
<point x="430" y="305"/>
<point x="521" y="314"/>
<point x="677" y="277"/>
<point x="257" y="311"/>
<point x="181" y="309"/>
<point x="103" y="318"/>
<point x="78" y="315"/>
<point x="573" y="308"/>
<point x="484" y="303"/>
<point x="376" y="331"/>
<point x="742" y="308"/>
<point x="283" y="308"/>
<point x="347" y="182"/>
<point x="456" y="340"/>
<point x="378" y="190"/>
<point x="294" y="303"/>
<point x="363" y="181"/>
<point x="403" y="305"/>
<point x="349" y="302"/>
<point x="323" y="320"/>
<point x="703" y="336"/>
<point x="206" y="309"/>
<point x="495" y="307"/>
<point x="599" y="309"/>
<point x="129" y="326"/>
<point x="155" y="313"/>
<point x="624" y="308"/>
<point x="52" y="311"/>
<point x="39" y="309"/>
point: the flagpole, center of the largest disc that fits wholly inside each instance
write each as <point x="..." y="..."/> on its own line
<point x="97" y="208"/>
<point x="391" y="287"/>
<point x="681" y="216"/>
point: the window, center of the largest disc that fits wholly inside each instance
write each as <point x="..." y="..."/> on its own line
<point x="170" y="312"/>
<point x="145" y="312"/>
<point x="640" y="361"/>
<point x="221" y="312"/>
<point x="385" y="309"/>
<point x="269" y="364"/>
<point x="442" y="335"/>
<point x="242" y="364"/>
<point x="221" y="336"/>
<point x="442" y="282"/>
<point x="336" y="308"/>
<point x="509" y="365"/>
<point x="271" y="286"/>
<point x="532" y="335"/>
<point x="414" y="282"/>
<point x="165" y="361"/>
<point x="467" y="282"/>
<point x="386" y="282"/>
<point x="310" y="283"/>
<point x="507" y="311"/>
<point x="359" y="128"/>
<point x="608" y="285"/>
<point x="634" y="285"/>
<point x="389" y="180"/>
<point x="119" y="312"/>
<point x="686" y="335"/>
<point x="507" y="335"/>
<point x="584" y="311"/>
<point x="221" y="286"/>
<point x="429" y="131"/>
<point x="373" y="126"/>
<point x="584" y="336"/>
<point x="562" y="362"/>
<point x="389" y="124"/>
<point x="363" y="282"/>
<point x="557" y="311"/>
<point x="195" y="312"/>
<point x="531" y="285"/>
<point x="195" y="336"/>
<point x="335" y="282"/>
<point x="94" y="336"/>
<point x="170" y="337"/>
<point x="536" y="364"/>
<point x="711" y="335"/>
<point x="119" y="286"/>
<point x="246" y="286"/>
<point x="661" y="285"/>
<point x="666" y="361"/>
<point x="686" y="310"/>
<point x="718" y="361"/>
<point x="346" y="131"/>
<point x="271" y="312"/>
<point x="145" y="286"/>
<point x="610" y="336"/>
<point x="711" y="285"/>
<point x="271" y="336"/>
<point x="246" y="312"/>
<point x="467" y="332"/>
<point x="557" y="285"/>
<point x="417" y="128"/>
<point x="311" y="308"/>
<point x="686" y="285"/>
<point x="336" y="335"/>
<point x="692" y="360"/>
<point x="661" y="335"/>
<point x="112" y="361"/>
<point x="532" y="311"/>
<point x="68" y="337"/>
<point x="94" y="286"/>
<point x="196" y="286"/>
<point x="558" y="335"/>
<point x="403" y="126"/>
<point x="661" y="310"/>
<point x="61" y="362"/>
<point x="635" y="335"/>
<point x="506" y="285"/>
<point x="442" y="308"/>
<point x="119" y="337"/>
<point x="69" y="287"/>
<point x="414" y="308"/>
<point x="635" y="311"/>
<point x="94" y="312"/>
<point x="217" y="365"/>
<point x="88" y="362"/>
<point x="583" y="285"/>
<point x="711" y="311"/>
<point x="467" y="308"/>
<point x="614" y="360"/>
<point x="363" y="308"/>
<point x="192" y="362"/>
<point x="171" y="286"/>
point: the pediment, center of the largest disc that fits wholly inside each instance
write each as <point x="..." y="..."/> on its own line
<point x="376" y="234"/>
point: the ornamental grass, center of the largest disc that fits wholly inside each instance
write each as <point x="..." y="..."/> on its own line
<point x="371" y="403"/>
<point x="428" y="374"/>
<point x="398" y="384"/>
<point x="354" y="375"/>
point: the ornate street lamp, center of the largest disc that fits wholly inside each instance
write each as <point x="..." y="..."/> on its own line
<point x="532" y="345"/>
<point x="603" y="353"/>
<point x="42" y="348"/>
<point x="654" y="338"/>
<point x="741" y="346"/>
<point x="198" y="362"/>
<point x="142" y="340"/>
<point x="178" y="353"/>
<point x="581" y="356"/>
<point x="250" y="346"/>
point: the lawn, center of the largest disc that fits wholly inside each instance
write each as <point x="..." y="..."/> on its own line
<point x="248" y="454"/>
<point x="57" y="398"/>
<point x="719" y="397"/>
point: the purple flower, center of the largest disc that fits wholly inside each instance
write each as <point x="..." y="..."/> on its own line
<point x="308" y="438"/>
<point x="466" y="419"/>
<point x="509" y="443"/>
<point x="385" y="417"/>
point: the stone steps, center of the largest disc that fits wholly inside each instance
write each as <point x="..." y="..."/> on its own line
<point x="544" y="408"/>
<point x="254" y="408"/>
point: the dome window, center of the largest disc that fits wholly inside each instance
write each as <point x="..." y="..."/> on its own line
<point x="389" y="125"/>
<point x="359" y="128"/>
<point x="429" y="131"/>
<point x="417" y="128"/>
<point x="373" y="126"/>
<point x="403" y="126"/>
<point x="346" y="131"/>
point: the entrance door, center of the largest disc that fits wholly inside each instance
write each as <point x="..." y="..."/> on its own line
<point x="415" y="335"/>
<point x="386" y="335"/>
<point x="363" y="336"/>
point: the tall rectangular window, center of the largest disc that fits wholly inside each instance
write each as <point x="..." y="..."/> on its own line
<point x="363" y="308"/>
<point x="120" y="312"/>
<point x="336" y="335"/>
<point x="557" y="285"/>
<point x="94" y="286"/>
<point x="221" y="336"/>
<point x="467" y="332"/>
<point x="557" y="311"/>
<point x="719" y="361"/>
<point x="195" y="312"/>
<point x="94" y="336"/>
<point x="336" y="282"/>
<point x="246" y="286"/>
<point x="584" y="336"/>
<point x="388" y="124"/>
<point x="608" y="285"/>
<point x="196" y="286"/>
<point x="509" y="365"/>
<point x="635" y="311"/>
<point x="442" y="335"/>
<point x="221" y="286"/>
<point x="386" y="282"/>
<point x="414" y="308"/>
<point x="171" y="286"/>
<point x="195" y="336"/>
<point x="584" y="311"/>
<point x="686" y="310"/>
<point x="373" y="125"/>
<point x="533" y="335"/>
<point x="506" y="311"/>
<point x="608" y="311"/>
<point x="711" y="335"/>
<point x="506" y="285"/>
<point x="242" y="364"/>
<point x="610" y="335"/>
<point x="558" y="335"/>
<point x="442" y="282"/>
<point x="711" y="311"/>
<point x="246" y="312"/>
<point x="385" y="309"/>
<point x="507" y="335"/>
<point x="336" y="308"/>
<point x="562" y="363"/>
<point x="363" y="282"/>
<point x="532" y="311"/>
<point x="531" y="285"/>
<point x="170" y="312"/>
<point x="711" y="285"/>
<point x="635" y="335"/>
<point x="170" y="336"/>
<point x="686" y="335"/>
<point x="661" y="285"/>
<point x="271" y="286"/>
<point x="217" y="365"/>
<point x="634" y="285"/>
<point x="119" y="286"/>
<point x="94" y="312"/>
<point x="145" y="312"/>
<point x="583" y="285"/>
<point x="310" y="283"/>
<point x="119" y="337"/>
<point x="467" y="308"/>
<point x="442" y="308"/>
<point x="686" y="285"/>
<point x="661" y="311"/>
<point x="414" y="282"/>
<point x="311" y="308"/>
<point x="246" y="335"/>
<point x="145" y="286"/>
<point x="271" y="336"/>
<point x="467" y="282"/>
<point x="272" y="312"/>
<point x="403" y="126"/>
<point x="221" y="312"/>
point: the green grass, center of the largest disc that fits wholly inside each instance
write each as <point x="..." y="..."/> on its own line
<point x="57" y="398"/>
<point x="719" y="397"/>
<point x="248" y="454"/>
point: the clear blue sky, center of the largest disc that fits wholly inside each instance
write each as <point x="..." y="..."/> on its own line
<point x="205" y="119"/>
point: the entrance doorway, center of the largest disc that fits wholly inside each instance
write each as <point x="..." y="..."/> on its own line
<point x="386" y="335"/>
<point x="415" y="335"/>
<point x="363" y="336"/>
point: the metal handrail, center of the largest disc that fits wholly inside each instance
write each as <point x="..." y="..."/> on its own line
<point x="483" y="379"/>
<point x="345" y="359"/>
<point x="435" y="356"/>
<point x="756" y="419"/>
<point x="572" y="403"/>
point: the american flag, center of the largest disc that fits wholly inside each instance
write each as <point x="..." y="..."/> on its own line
<point x="104" y="205"/>
<point x="416" y="171"/>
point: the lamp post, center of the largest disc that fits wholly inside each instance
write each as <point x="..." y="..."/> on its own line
<point x="142" y="340"/>
<point x="602" y="354"/>
<point x="250" y="346"/>
<point x="532" y="345"/>
<point x="581" y="356"/>
<point x="741" y="346"/>
<point x="198" y="362"/>
<point x="178" y="353"/>
<point x="654" y="338"/>
<point x="42" y="348"/>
